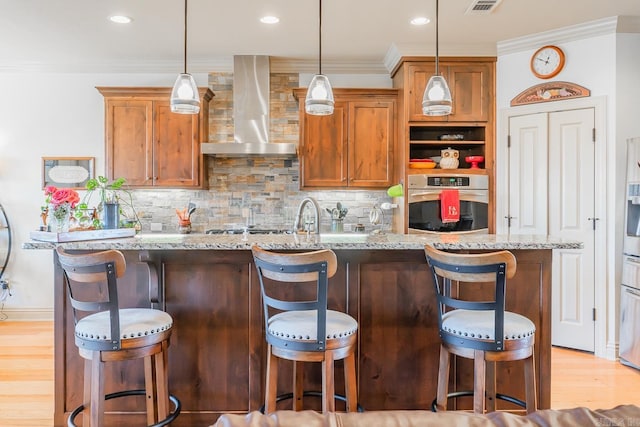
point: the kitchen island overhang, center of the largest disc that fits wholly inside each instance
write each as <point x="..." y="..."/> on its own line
<point x="217" y="356"/>
<point x="340" y="241"/>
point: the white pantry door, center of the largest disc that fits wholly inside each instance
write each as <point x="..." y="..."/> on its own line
<point x="572" y="216"/>
<point x="551" y="192"/>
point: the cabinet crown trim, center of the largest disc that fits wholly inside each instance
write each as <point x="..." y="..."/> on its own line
<point x="115" y="91"/>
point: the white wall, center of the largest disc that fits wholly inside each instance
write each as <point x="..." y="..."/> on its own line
<point x="47" y="115"/>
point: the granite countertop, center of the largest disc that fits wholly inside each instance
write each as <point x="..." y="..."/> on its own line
<point x="346" y="241"/>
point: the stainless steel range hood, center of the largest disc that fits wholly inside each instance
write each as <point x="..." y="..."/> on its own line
<point x="250" y="112"/>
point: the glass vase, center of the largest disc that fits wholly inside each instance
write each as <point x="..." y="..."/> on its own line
<point x="110" y="215"/>
<point x="58" y="218"/>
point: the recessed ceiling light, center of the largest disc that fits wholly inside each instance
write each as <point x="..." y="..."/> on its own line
<point x="420" y="20"/>
<point x="120" y="19"/>
<point x="269" y="19"/>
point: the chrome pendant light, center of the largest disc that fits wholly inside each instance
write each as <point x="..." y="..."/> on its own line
<point x="436" y="100"/>
<point x="319" y="100"/>
<point x="184" y="96"/>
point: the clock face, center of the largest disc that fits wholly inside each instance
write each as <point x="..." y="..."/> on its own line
<point x="547" y="61"/>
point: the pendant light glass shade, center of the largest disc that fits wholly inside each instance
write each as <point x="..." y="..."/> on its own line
<point x="437" y="97"/>
<point x="436" y="100"/>
<point x="319" y="100"/>
<point x="185" y="98"/>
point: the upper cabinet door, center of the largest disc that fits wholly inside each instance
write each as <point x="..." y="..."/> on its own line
<point x="176" y="147"/>
<point x="419" y="75"/>
<point x="129" y="140"/>
<point x="471" y="85"/>
<point x="471" y="88"/>
<point x="323" y="151"/>
<point x="371" y="143"/>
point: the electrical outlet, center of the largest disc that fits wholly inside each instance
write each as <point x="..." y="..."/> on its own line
<point x="156" y="226"/>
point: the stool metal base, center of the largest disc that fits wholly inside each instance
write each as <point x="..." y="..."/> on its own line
<point x="177" y="406"/>
<point x="500" y="396"/>
<point x="287" y="396"/>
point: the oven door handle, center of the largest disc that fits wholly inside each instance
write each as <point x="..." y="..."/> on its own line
<point x="423" y="197"/>
<point x="481" y="196"/>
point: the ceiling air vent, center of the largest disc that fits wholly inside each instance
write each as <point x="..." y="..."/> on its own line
<point x="482" y="7"/>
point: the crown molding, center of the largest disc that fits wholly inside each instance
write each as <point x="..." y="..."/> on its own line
<point x="397" y="51"/>
<point x="599" y="27"/>
<point x="329" y="66"/>
<point x="100" y="67"/>
<point x="278" y="65"/>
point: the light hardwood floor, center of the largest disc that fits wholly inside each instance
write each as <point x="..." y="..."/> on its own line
<point x="26" y="377"/>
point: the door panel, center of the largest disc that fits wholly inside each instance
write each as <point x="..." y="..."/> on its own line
<point x="371" y="137"/>
<point x="177" y="149"/>
<point x="324" y="162"/>
<point x="129" y="132"/>
<point x="571" y="205"/>
<point x="528" y="174"/>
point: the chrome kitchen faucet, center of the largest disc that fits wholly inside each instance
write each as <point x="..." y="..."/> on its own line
<point x="307" y="221"/>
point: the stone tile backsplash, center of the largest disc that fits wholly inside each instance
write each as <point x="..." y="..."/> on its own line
<point x="264" y="188"/>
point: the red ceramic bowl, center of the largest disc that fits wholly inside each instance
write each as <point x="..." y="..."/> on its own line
<point x="474" y="160"/>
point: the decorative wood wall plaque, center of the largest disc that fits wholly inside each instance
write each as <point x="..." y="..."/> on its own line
<point x="550" y="91"/>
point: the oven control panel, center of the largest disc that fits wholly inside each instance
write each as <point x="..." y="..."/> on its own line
<point x="463" y="181"/>
<point x="453" y="181"/>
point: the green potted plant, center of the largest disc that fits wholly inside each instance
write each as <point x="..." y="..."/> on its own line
<point x="113" y="197"/>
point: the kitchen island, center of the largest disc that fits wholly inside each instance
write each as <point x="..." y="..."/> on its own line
<point x="218" y="353"/>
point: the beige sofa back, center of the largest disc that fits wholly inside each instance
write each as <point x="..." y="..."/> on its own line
<point x="624" y="415"/>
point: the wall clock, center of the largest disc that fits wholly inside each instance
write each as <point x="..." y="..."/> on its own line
<point x="547" y="61"/>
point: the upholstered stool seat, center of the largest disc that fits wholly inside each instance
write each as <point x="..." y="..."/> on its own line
<point x="134" y="323"/>
<point x="301" y="325"/>
<point x="113" y="334"/>
<point x="302" y="329"/>
<point x="481" y="330"/>
<point x="480" y="325"/>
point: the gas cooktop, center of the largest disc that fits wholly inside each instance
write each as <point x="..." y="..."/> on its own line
<point x="250" y="230"/>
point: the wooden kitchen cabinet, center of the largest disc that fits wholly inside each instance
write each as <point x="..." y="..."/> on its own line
<point x="352" y="148"/>
<point x="471" y="124"/>
<point x="471" y="83"/>
<point x="150" y="146"/>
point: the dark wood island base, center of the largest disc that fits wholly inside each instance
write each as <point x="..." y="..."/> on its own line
<point x="217" y="355"/>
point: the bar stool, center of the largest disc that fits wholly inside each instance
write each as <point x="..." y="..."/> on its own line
<point x="113" y="334"/>
<point x="480" y="330"/>
<point x="304" y="330"/>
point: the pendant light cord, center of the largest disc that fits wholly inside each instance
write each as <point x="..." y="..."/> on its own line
<point x="320" y="37"/>
<point x="185" y="36"/>
<point x="437" y="44"/>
